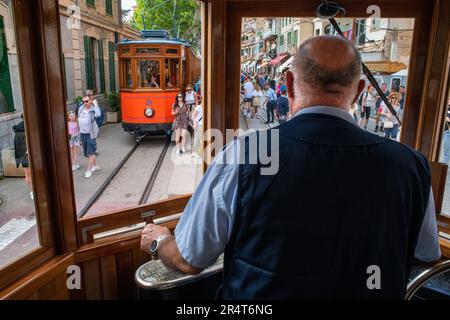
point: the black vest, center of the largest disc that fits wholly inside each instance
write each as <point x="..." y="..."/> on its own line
<point x="342" y="201"/>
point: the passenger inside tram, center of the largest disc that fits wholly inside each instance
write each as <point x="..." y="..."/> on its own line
<point x="315" y="252"/>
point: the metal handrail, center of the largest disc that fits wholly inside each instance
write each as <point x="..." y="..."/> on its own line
<point x="426" y="275"/>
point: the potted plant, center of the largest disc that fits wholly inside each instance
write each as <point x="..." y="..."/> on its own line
<point x="114" y="106"/>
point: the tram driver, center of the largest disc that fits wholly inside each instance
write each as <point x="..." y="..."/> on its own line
<point x="296" y="234"/>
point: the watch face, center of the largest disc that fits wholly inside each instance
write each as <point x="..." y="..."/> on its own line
<point x="153" y="246"/>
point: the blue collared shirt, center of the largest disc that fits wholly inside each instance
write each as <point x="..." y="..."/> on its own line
<point x="206" y="224"/>
<point x="270" y="94"/>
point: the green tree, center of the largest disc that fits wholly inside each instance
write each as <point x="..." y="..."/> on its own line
<point x="179" y="17"/>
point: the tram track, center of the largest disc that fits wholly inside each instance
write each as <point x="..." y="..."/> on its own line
<point x="107" y="183"/>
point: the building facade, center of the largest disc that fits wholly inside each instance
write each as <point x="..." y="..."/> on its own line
<point x="90" y="30"/>
<point x="11" y="106"/>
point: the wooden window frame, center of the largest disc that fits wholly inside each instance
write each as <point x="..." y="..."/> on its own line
<point x="44" y="109"/>
<point x="421" y="130"/>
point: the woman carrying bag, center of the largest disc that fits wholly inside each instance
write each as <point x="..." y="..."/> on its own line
<point x="391" y="124"/>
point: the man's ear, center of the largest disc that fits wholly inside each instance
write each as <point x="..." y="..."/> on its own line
<point x="361" y="86"/>
<point x="290" y="84"/>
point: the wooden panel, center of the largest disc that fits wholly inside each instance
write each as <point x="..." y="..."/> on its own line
<point x="55" y="289"/>
<point x="139" y="258"/>
<point x="34" y="296"/>
<point x="438" y="180"/>
<point x="92" y="280"/>
<point x="125" y="272"/>
<point x="110" y="221"/>
<point x="38" y="279"/>
<point x="109" y="277"/>
<point x="445" y="247"/>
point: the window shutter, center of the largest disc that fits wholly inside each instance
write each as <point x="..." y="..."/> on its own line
<point x="6" y="95"/>
<point x="109" y="7"/>
<point x="112" y="67"/>
<point x="88" y="62"/>
<point x="101" y="64"/>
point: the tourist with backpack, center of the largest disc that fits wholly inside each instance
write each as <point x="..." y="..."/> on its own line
<point x="100" y="119"/>
<point x="87" y="116"/>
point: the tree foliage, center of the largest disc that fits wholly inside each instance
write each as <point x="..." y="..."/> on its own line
<point x="179" y="17"/>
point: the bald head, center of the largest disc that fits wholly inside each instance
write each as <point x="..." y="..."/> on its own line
<point x="326" y="70"/>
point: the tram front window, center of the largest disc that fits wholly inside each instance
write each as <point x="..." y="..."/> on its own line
<point x="148" y="74"/>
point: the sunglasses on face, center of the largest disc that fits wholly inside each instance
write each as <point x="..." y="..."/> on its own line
<point x="86" y="101"/>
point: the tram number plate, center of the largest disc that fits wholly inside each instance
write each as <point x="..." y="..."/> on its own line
<point x="148" y="214"/>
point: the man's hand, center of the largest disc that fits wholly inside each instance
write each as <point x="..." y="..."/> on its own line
<point x="150" y="233"/>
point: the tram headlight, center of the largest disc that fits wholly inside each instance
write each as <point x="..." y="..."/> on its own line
<point x="149" y="112"/>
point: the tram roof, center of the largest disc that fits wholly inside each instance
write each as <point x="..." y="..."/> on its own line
<point x="154" y="41"/>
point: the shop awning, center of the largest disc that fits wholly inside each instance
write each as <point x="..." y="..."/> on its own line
<point x="264" y="64"/>
<point x="278" y="59"/>
<point x="287" y="64"/>
<point x="388" y="67"/>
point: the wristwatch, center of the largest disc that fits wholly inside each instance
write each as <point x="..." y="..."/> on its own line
<point x="155" y="244"/>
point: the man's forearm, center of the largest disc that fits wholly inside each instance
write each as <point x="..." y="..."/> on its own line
<point x="171" y="257"/>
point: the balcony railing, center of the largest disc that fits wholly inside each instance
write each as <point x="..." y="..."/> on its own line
<point x="269" y="33"/>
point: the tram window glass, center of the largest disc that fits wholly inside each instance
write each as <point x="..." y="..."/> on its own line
<point x="132" y="173"/>
<point x="127" y="81"/>
<point x="172" y="73"/>
<point x="172" y="51"/>
<point x="148" y="73"/>
<point x="385" y="50"/>
<point x="147" y="50"/>
<point x="18" y="221"/>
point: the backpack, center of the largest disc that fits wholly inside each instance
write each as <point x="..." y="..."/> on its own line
<point x="360" y="101"/>
<point x="101" y="120"/>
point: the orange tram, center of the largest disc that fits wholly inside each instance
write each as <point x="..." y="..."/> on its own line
<point x="152" y="71"/>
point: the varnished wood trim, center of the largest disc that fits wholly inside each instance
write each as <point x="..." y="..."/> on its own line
<point x="24" y="266"/>
<point x="38" y="278"/>
<point x="114" y="244"/>
<point x="87" y="226"/>
<point x="445" y="247"/>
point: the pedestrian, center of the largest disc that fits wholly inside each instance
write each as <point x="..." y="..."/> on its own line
<point x="378" y="108"/>
<point x="257" y="101"/>
<point x="191" y="98"/>
<point x="21" y="153"/>
<point x="293" y="233"/>
<point x="198" y="130"/>
<point x="75" y="139"/>
<point x="94" y="101"/>
<point x="283" y="107"/>
<point x="367" y="105"/>
<point x="248" y="96"/>
<point x="391" y="123"/>
<point x="271" y="101"/>
<point x="89" y="132"/>
<point x="181" y="122"/>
